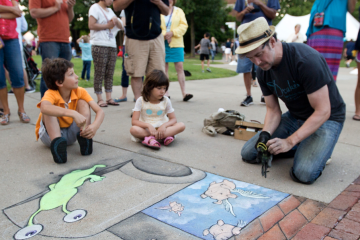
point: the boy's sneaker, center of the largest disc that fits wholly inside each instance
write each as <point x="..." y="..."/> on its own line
<point x="208" y="69"/>
<point x="86" y="145"/>
<point x="10" y="92"/>
<point x="262" y="100"/>
<point x="58" y="149"/>
<point x="30" y="90"/>
<point x="247" y="101"/>
<point x="347" y="65"/>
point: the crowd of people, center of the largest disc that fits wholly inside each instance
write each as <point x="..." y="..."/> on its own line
<point x="303" y="76"/>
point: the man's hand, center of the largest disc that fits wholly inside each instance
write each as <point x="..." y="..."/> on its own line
<point x="248" y="9"/>
<point x="71" y="3"/>
<point x="79" y="119"/>
<point x="58" y="4"/>
<point x="110" y="24"/>
<point x="168" y="36"/>
<point x="257" y="2"/>
<point x="152" y="130"/>
<point x="16" y="10"/>
<point x="89" y="131"/>
<point x="277" y="145"/>
<point x="156" y="2"/>
<point x="161" y="132"/>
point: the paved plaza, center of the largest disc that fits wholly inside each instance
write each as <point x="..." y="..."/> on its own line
<point x="127" y="191"/>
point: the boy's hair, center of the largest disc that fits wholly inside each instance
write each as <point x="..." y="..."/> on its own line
<point x="207" y="34"/>
<point x="156" y="78"/>
<point x="86" y="38"/>
<point x="54" y="70"/>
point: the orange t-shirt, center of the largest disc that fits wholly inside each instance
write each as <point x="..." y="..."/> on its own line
<point x="55" y="98"/>
<point x="54" y="28"/>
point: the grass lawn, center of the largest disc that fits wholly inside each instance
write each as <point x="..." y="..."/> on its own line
<point x="190" y="64"/>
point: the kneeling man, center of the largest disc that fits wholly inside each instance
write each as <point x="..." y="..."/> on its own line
<point x="300" y="77"/>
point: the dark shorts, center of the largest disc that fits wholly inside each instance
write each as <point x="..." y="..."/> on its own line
<point x="350" y="57"/>
<point x="204" y="56"/>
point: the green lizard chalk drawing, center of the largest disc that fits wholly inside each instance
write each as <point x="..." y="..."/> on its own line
<point x="59" y="195"/>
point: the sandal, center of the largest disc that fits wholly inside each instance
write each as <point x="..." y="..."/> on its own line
<point x="112" y="102"/>
<point x="103" y="104"/>
<point x="24" y="117"/>
<point x="168" y="140"/>
<point x="5" y="119"/>
<point x="187" y="97"/>
<point x="356" y="118"/>
<point x="151" y="142"/>
<point x="1" y="112"/>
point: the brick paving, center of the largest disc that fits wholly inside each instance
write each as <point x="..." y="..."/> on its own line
<point x="299" y="218"/>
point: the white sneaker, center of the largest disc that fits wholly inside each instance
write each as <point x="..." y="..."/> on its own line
<point x="328" y="161"/>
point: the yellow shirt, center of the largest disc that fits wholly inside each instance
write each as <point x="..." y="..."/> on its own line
<point x="178" y="27"/>
<point x="55" y="98"/>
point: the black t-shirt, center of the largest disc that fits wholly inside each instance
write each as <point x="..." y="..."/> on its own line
<point x="144" y="13"/>
<point x="302" y="71"/>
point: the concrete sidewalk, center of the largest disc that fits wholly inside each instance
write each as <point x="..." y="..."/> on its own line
<point x="138" y="177"/>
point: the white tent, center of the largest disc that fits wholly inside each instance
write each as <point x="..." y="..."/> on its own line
<point x="286" y="26"/>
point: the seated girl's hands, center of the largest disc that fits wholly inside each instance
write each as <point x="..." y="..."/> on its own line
<point x="110" y="24"/>
<point x="89" y="131"/>
<point x="160" y="132"/>
<point x="152" y="130"/>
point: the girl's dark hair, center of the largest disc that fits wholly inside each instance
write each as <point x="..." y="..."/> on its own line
<point x="156" y="78"/>
<point x="54" y="70"/>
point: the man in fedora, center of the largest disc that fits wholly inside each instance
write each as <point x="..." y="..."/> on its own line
<point x="301" y="78"/>
<point x="247" y="11"/>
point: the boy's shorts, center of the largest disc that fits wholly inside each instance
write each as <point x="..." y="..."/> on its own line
<point x="204" y="56"/>
<point x="68" y="133"/>
<point x="244" y="65"/>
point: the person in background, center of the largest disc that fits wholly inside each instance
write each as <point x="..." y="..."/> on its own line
<point x="296" y="36"/>
<point x="174" y="27"/>
<point x="53" y="19"/>
<point x="213" y="48"/>
<point x="86" y="56"/>
<point x="104" y="25"/>
<point x="348" y="52"/>
<point x="204" y="46"/>
<point x="327" y="38"/>
<point x="10" y="57"/>
<point x="228" y="46"/>
<point x="248" y="11"/>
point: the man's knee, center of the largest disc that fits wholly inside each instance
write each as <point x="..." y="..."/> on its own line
<point x="304" y="175"/>
<point x="83" y="107"/>
<point x="248" y="154"/>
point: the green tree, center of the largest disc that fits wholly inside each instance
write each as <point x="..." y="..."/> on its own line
<point x="202" y="17"/>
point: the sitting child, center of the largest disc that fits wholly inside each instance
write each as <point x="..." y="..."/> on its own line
<point x="65" y="113"/>
<point x="153" y="117"/>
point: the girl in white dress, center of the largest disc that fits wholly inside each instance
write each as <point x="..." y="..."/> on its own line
<point x="153" y="116"/>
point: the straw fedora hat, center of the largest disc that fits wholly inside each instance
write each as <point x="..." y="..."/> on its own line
<point x="253" y="34"/>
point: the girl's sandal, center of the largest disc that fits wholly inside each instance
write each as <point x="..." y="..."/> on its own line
<point x="151" y="142"/>
<point x="24" y="117"/>
<point x="5" y="119"/>
<point x="168" y="140"/>
<point x="112" y="102"/>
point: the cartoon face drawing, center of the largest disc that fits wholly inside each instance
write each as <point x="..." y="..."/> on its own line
<point x="222" y="231"/>
<point x="220" y="191"/>
<point x="59" y="195"/>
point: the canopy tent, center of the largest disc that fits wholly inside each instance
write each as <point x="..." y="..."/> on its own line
<point x="286" y="26"/>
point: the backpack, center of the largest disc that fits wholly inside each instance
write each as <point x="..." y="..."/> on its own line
<point x="222" y="122"/>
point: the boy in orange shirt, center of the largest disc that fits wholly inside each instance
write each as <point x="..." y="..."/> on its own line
<point x="65" y="111"/>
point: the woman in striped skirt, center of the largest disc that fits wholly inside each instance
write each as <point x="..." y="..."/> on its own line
<point x="328" y="37"/>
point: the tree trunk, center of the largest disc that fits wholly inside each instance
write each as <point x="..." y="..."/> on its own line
<point x="192" y="34"/>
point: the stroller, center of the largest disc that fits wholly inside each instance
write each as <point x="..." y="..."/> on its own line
<point x="31" y="68"/>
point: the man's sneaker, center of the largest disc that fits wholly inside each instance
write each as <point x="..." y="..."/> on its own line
<point x="30" y="90"/>
<point x="58" y="149"/>
<point x="247" y="101"/>
<point x="11" y="92"/>
<point x="86" y="145"/>
<point x="262" y="100"/>
<point x="208" y="69"/>
<point x="328" y="161"/>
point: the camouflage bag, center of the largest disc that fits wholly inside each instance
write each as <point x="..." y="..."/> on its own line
<point x="221" y="122"/>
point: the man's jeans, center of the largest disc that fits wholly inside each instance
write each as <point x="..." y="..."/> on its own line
<point x="310" y="155"/>
<point x="86" y="69"/>
<point x="53" y="50"/>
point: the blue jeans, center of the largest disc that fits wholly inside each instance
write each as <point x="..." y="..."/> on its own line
<point x="212" y="52"/>
<point x="10" y="57"/>
<point x="86" y="69"/>
<point x="310" y="155"/>
<point x="53" y="50"/>
<point x="124" y="76"/>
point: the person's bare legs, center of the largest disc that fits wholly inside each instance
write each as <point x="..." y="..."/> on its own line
<point x="167" y="74"/>
<point x="100" y="100"/>
<point x="136" y="85"/>
<point x="84" y="109"/>
<point x="20" y="95"/>
<point x="179" y="67"/>
<point x="141" y="133"/>
<point x="208" y="63"/>
<point x="357" y="95"/>
<point x="247" y="81"/>
<point x="4" y="100"/>
<point x="52" y="126"/>
<point x="26" y="80"/>
<point x="124" y="92"/>
<point x="202" y="65"/>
